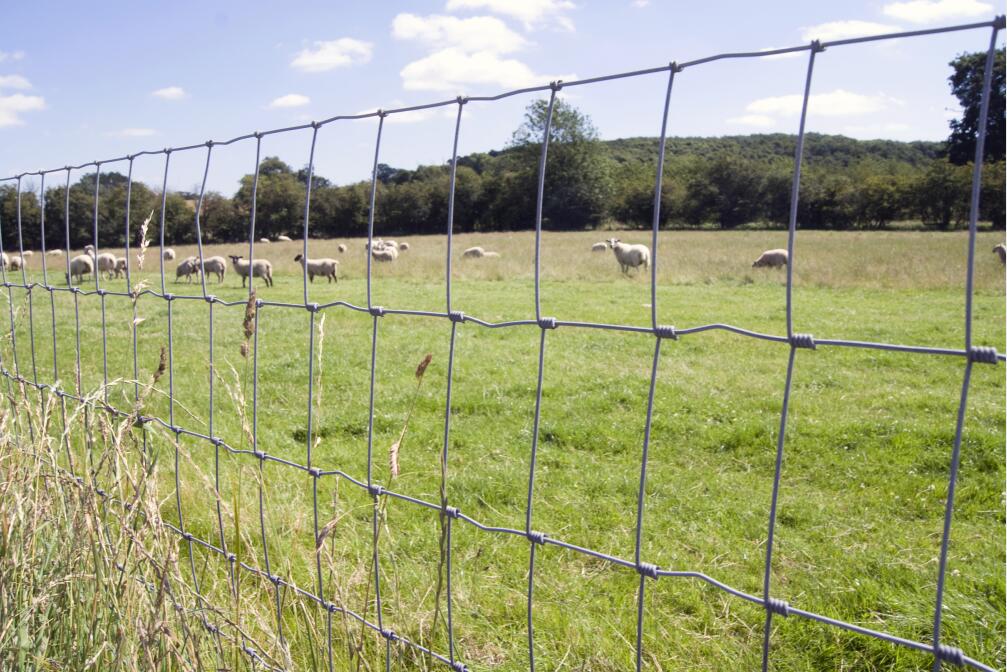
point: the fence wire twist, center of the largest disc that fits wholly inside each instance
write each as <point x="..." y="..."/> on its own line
<point x="774" y="606"/>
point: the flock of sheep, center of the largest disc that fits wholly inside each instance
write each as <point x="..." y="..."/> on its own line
<point x="629" y="256"/>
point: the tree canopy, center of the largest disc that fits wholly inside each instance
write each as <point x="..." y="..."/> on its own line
<point x="967" y="84"/>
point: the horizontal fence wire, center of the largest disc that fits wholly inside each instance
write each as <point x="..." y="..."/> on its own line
<point x="14" y="372"/>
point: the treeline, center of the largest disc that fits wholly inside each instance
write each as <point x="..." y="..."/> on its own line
<point x="708" y="182"/>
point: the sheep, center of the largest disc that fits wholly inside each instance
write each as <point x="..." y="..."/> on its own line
<point x="476" y="252"/>
<point x="168" y="254"/>
<point x="215" y="265"/>
<point x="629" y="256"/>
<point x="120" y="266"/>
<point x="385" y="253"/>
<point x="55" y="253"/>
<point x="324" y="267"/>
<point x="341" y="248"/>
<point x="599" y="247"/>
<point x="403" y="247"/>
<point x="391" y="243"/>
<point x="284" y="239"/>
<point x="27" y="253"/>
<point x="89" y="249"/>
<point x="261" y="268"/>
<point x="105" y="263"/>
<point x="14" y="263"/>
<point x="263" y="240"/>
<point x="187" y="267"/>
<point x="377" y="243"/>
<point x="1001" y="249"/>
<point x="772" y="258"/>
<point x="81" y="265"/>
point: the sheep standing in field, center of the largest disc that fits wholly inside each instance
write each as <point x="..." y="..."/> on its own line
<point x="264" y="240"/>
<point x="187" y="268"/>
<point x="377" y="242"/>
<point x="283" y="239"/>
<point x="341" y="247"/>
<point x="27" y="253"/>
<point x="772" y="259"/>
<point x="105" y="263"/>
<point x="403" y="247"/>
<point x="168" y="254"/>
<point x="120" y="266"/>
<point x="385" y="253"/>
<point x="15" y="263"/>
<point x="1001" y="249"/>
<point x="81" y="265"/>
<point x="599" y="247"/>
<point x="215" y="265"/>
<point x="629" y="256"/>
<point x="260" y="268"/>
<point x="324" y="267"/>
<point x="55" y="253"/>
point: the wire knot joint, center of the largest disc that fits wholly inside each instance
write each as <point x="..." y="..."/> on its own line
<point x="376" y="311"/>
<point x="375" y="490"/>
<point x="547" y="322"/>
<point x="315" y="472"/>
<point x="666" y="331"/>
<point x="536" y="537"/>
<point x="452" y="511"/>
<point x="950" y="654"/>
<point x="816" y="46"/>
<point x="456" y="316"/>
<point x="647" y="569"/>
<point x="802" y="341"/>
<point x="778" y="606"/>
<point x="459" y="667"/>
<point x="983" y="355"/>
<point x="389" y="634"/>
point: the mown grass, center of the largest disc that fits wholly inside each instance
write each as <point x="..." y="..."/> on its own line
<point x="864" y="479"/>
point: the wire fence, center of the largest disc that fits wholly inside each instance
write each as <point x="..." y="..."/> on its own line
<point x="794" y="341"/>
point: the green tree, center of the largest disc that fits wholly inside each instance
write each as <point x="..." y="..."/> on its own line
<point x="966" y="84"/>
<point x="940" y="194"/>
<point x="279" y="200"/>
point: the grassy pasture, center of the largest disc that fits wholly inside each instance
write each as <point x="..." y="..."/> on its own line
<point x="865" y="466"/>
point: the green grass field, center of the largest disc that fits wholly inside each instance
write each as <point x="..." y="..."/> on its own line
<point x="865" y="470"/>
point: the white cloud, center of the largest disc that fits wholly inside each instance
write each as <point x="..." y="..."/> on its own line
<point x="11" y="55"/>
<point x="838" y="103"/>
<point x="479" y="33"/>
<point x="170" y="93"/>
<point x="11" y="108"/>
<point x="333" y="54"/>
<point x="14" y="82"/>
<point x="290" y="100"/>
<point x="449" y="70"/>
<point x="933" y="11"/>
<point x="531" y="13"/>
<point x="640" y="3"/>
<point x="840" y="30"/>
<point x="758" y="120"/>
<point x="133" y="133"/>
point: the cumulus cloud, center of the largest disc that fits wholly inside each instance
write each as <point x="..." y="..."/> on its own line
<point x="933" y="11"/>
<point x="324" y="56"/>
<point x="14" y="82"/>
<point x="837" y="103"/>
<point x="757" y="120"/>
<point x="13" y="106"/>
<point x="532" y="13"/>
<point x="290" y="100"/>
<point x="170" y="93"/>
<point x="449" y="70"/>
<point x="478" y="33"/>
<point x="840" y="30"/>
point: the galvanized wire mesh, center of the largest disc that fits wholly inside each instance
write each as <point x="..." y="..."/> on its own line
<point x="14" y="373"/>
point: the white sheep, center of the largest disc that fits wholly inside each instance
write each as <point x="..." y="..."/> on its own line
<point x="771" y="258"/>
<point x="324" y="267"/>
<point x="284" y="239"/>
<point x="1001" y="249"/>
<point x="629" y="256"/>
<point x="187" y="268"/>
<point x="81" y="265"/>
<point x="27" y="253"/>
<point x="168" y="254"/>
<point x="14" y="263"/>
<point x="260" y="268"/>
<point x="216" y="266"/>
<point x="105" y="263"/>
<point x="599" y="247"/>
<point x="120" y="266"/>
<point x="477" y="252"/>
<point x="377" y="243"/>
<point x="263" y="240"/>
<point x="390" y="243"/>
<point x="55" y="253"/>
<point x="403" y="247"/>
<point x="341" y="248"/>
<point x="385" y="253"/>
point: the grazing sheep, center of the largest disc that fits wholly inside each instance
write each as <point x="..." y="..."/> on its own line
<point x="216" y="266"/>
<point x="629" y="256"/>
<point x="341" y="248"/>
<point x="599" y="247"/>
<point x="260" y="268"/>
<point x="1001" y="249"/>
<point x="324" y="267"/>
<point x="390" y="243"/>
<point x="284" y="239"/>
<point x="27" y="253"/>
<point x="81" y="265"/>
<point x="120" y="266"/>
<point x="772" y="258"/>
<point x="263" y="240"/>
<point x="168" y="254"/>
<point x="377" y="243"/>
<point x="187" y="267"/>
<point x="55" y="253"/>
<point x="14" y="263"/>
<point x="89" y="249"/>
<point x="105" y="263"/>
<point x="385" y="253"/>
<point x="476" y="252"/>
<point x="403" y="247"/>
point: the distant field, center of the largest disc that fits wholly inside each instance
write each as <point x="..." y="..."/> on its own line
<point x="865" y="465"/>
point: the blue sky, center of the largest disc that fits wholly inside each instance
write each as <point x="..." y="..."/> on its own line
<point x="83" y="81"/>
